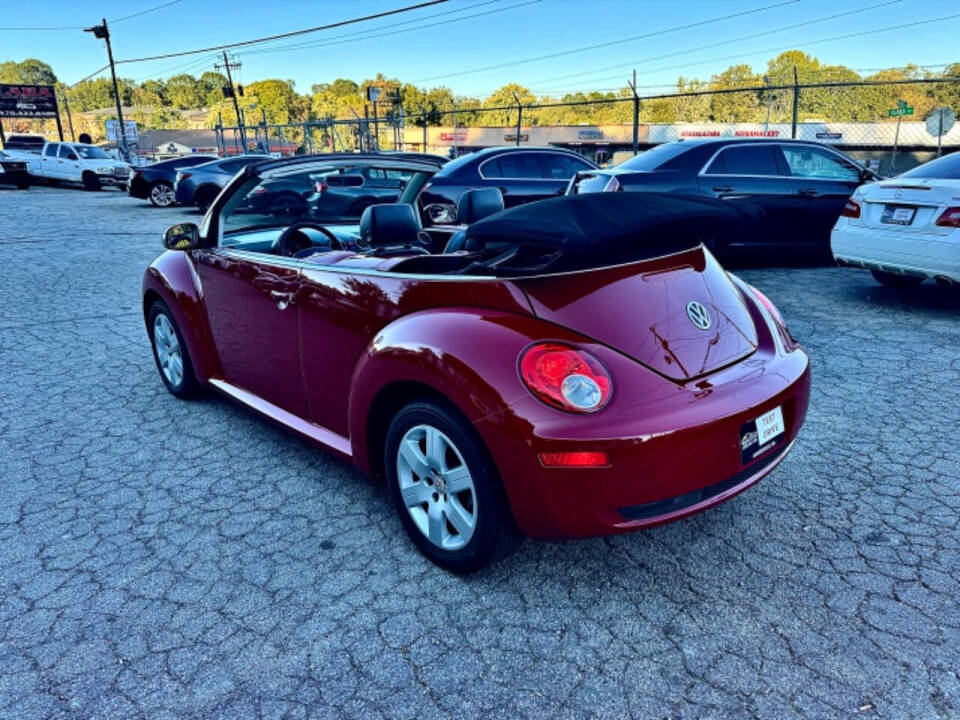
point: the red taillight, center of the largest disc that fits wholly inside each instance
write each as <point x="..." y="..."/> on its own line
<point x="851" y="209"/>
<point x="577" y="458"/>
<point x="184" y="176"/>
<point x="949" y="218"/>
<point x="137" y="173"/>
<point x="320" y="186"/>
<point x="612" y="185"/>
<point x="789" y="343"/>
<point x="259" y="190"/>
<point x="565" y="378"/>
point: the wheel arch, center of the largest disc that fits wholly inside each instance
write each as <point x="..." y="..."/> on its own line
<point x="172" y="279"/>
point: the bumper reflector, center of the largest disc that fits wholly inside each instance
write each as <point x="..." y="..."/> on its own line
<point x="584" y="458"/>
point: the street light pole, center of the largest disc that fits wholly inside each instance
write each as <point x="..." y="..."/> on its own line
<point x="102" y="32"/>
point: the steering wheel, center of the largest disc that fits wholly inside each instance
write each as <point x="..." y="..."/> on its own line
<point x="291" y="241"/>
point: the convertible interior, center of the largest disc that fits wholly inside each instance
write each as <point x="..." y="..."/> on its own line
<point x="557" y="235"/>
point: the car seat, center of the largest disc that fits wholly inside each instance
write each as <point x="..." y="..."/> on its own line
<point x="392" y="229"/>
<point x="474" y="205"/>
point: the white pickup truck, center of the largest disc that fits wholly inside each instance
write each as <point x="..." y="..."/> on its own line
<point x="86" y="164"/>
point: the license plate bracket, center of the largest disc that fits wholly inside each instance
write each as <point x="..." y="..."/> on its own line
<point x="897" y="215"/>
<point x="761" y="434"/>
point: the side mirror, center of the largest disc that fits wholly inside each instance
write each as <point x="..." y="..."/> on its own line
<point x="182" y="236"/>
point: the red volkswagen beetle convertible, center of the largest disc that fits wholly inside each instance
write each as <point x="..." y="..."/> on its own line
<point x="578" y="366"/>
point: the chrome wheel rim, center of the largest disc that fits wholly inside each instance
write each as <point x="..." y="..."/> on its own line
<point x="437" y="487"/>
<point x="162" y="195"/>
<point x="167" y="347"/>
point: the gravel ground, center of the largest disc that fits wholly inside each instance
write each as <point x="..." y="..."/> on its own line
<point x="170" y="559"/>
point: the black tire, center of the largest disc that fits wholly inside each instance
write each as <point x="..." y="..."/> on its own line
<point x="187" y="386"/>
<point x="895" y="280"/>
<point x="494" y="532"/>
<point x="23" y="186"/>
<point x="90" y="181"/>
<point x="160" y="191"/>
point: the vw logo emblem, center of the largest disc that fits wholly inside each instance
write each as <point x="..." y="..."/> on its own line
<point x="698" y="315"/>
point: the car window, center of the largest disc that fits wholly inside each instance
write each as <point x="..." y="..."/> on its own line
<point x="558" y="166"/>
<point x="89" y="152"/>
<point x="746" y="160"/>
<point x="810" y="162"/>
<point x="945" y="168"/>
<point x="313" y="193"/>
<point x="657" y="157"/>
<point x="513" y="166"/>
<point x="51" y="150"/>
<point x="67" y="152"/>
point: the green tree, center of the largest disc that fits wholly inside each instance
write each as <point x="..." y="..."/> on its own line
<point x="29" y="72"/>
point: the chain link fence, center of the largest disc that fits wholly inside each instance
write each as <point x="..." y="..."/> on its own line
<point x="888" y="125"/>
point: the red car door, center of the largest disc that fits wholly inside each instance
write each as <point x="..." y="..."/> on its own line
<point x="251" y="304"/>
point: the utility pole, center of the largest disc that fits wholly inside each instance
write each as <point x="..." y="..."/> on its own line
<point x="519" y="116"/>
<point x="636" y="114"/>
<point x="796" y="103"/>
<point x="228" y="66"/>
<point x="66" y="106"/>
<point x="102" y="32"/>
<point x="767" y="82"/>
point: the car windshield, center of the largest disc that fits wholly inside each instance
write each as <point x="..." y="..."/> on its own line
<point x="326" y="195"/>
<point x="655" y="157"/>
<point x="89" y="152"/>
<point x="945" y="168"/>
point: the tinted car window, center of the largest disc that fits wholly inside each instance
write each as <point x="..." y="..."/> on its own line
<point x="51" y="150"/>
<point x="946" y="168"/>
<point x="656" y="157"/>
<point x="809" y="162"/>
<point x="513" y="166"/>
<point x="67" y="152"/>
<point x="231" y="166"/>
<point x="561" y="167"/>
<point x="748" y="160"/>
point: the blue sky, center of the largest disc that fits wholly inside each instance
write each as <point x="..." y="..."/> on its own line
<point x="464" y="35"/>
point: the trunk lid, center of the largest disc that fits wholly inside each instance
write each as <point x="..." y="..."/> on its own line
<point x="641" y="309"/>
<point x="927" y="198"/>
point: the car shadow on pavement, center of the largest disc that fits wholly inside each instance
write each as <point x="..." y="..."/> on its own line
<point x="928" y="296"/>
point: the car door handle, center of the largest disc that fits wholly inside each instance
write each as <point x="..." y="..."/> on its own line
<point x="281" y="298"/>
<point x="723" y="188"/>
<point x="807" y="192"/>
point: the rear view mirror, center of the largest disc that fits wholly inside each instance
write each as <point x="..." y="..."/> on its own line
<point x="182" y="236"/>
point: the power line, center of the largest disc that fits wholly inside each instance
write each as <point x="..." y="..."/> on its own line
<point x="293" y="33"/>
<point x="366" y="35"/>
<point x="143" y="12"/>
<point x="610" y="43"/>
<point x="80" y="27"/>
<point x="792" y="46"/>
<point x="752" y="36"/>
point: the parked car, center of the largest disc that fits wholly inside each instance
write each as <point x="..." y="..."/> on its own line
<point x="74" y="162"/>
<point x="155" y="182"/>
<point x="521" y="174"/>
<point x="790" y="192"/>
<point x="13" y="171"/>
<point x="200" y="184"/>
<point x="30" y="142"/>
<point x="906" y="229"/>
<point x="501" y="385"/>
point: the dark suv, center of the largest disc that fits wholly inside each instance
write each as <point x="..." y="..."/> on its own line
<point x="790" y="192"/>
<point x="521" y="174"/>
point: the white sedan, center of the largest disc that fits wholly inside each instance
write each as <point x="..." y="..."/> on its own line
<point x="906" y="229"/>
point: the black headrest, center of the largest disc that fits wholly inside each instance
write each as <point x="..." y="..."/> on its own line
<point x="477" y="204"/>
<point x="393" y="224"/>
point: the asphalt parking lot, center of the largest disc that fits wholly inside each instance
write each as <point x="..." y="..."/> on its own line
<point x="171" y="559"/>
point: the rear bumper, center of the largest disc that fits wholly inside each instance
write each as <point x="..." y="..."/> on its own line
<point x="139" y="188"/>
<point x="115" y="180"/>
<point x="671" y="455"/>
<point x="15" y="177"/>
<point x="897" y="251"/>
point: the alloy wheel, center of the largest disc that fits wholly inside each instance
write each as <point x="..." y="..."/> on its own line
<point x="167" y="347"/>
<point x="436" y="487"/>
<point x="161" y="195"/>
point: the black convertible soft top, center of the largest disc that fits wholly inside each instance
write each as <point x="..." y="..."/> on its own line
<point x="584" y="231"/>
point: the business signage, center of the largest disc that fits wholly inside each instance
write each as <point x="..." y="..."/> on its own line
<point x="829" y="135"/>
<point x="28" y="101"/>
<point x="130" y="130"/>
<point x="458" y="136"/>
<point x="594" y="134"/>
<point x="513" y="138"/>
<point x="729" y="133"/>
